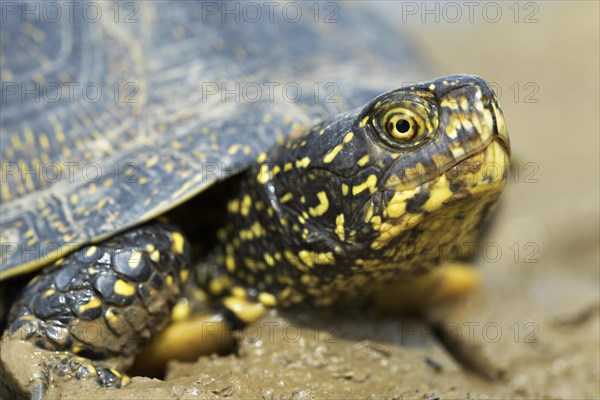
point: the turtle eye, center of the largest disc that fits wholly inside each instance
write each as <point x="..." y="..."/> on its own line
<point x="403" y="125"/>
<point x="401" y="128"/>
<point x="404" y="119"/>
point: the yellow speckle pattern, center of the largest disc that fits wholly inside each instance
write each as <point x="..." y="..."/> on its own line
<point x="287" y="197"/>
<point x="93" y="303"/>
<point x="123" y="288"/>
<point x="155" y="256"/>
<point x="363" y="160"/>
<point x="181" y="310"/>
<point x="339" y="227"/>
<point x="134" y="259"/>
<point x="344" y="189"/>
<point x="438" y="193"/>
<point x="322" y="207"/>
<point x="370" y="184"/>
<point x="264" y="174"/>
<point x="245" y="206"/>
<point x="178" y="242"/>
<point x="267" y="299"/>
<point x="245" y="310"/>
<point x="303" y="163"/>
<point x="330" y="156"/>
<point x="397" y="205"/>
<point x="90" y="251"/>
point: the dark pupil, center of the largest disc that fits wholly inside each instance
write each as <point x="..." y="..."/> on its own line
<point x="402" y="126"/>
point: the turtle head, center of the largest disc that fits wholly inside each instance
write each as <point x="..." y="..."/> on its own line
<point x="383" y="190"/>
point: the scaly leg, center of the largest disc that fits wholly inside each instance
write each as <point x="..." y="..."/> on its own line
<point x="91" y="312"/>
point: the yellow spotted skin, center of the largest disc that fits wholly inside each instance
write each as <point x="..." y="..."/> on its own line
<point x="355" y="203"/>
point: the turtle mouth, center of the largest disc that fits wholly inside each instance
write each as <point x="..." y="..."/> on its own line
<point x="487" y="165"/>
<point x="490" y="111"/>
<point x="499" y="135"/>
<point x="491" y="157"/>
<point x="499" y="128"/>
<point x="496" y="153"/>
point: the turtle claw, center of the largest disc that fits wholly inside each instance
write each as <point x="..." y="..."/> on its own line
<point x="68" y="366"/>
<point x="111" y="378"/>
<point x="38" y="391"/>
<point x="42" y="369"/>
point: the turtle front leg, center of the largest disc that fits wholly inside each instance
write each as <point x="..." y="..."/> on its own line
<point x="91" y="312"/>
<point x="196" y="330"/>
<point x="423" y="293"/>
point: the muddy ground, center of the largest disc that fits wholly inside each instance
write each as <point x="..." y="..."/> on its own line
<point x="536" y="316"/>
